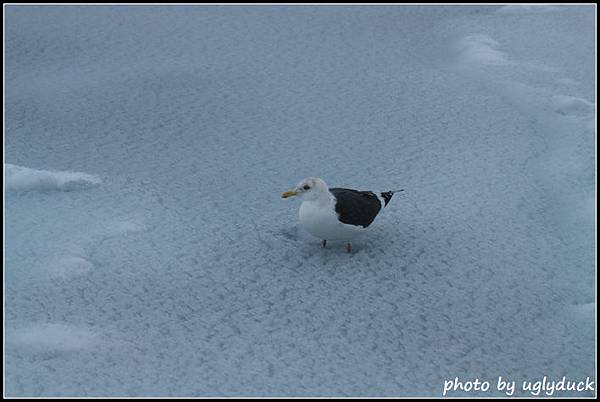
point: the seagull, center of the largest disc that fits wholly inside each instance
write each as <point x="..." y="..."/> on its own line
<point x="337" y="213"/>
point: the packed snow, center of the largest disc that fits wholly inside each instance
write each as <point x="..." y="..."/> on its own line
<point x="148" y="251"/>
<point x="20" y="178"/>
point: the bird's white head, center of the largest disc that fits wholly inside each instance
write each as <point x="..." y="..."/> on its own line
<point x="311" y="188"/>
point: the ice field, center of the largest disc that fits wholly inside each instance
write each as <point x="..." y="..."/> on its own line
<point x="148" y="251"/>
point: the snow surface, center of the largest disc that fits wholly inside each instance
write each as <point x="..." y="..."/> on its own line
<point x="20" y="178"/>
<point x="174" y="268"/>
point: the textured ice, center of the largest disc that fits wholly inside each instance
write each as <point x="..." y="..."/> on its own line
<point x="183" y="273"/>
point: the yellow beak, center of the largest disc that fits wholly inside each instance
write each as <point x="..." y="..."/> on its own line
<point x="290" y="193"/>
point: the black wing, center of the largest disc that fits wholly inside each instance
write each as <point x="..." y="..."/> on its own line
<point x="356" y="207"/>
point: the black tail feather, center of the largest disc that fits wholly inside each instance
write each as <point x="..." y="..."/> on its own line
<point x="387" y="196"/>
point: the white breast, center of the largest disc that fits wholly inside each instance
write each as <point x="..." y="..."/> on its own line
<point x="321" y="220"/>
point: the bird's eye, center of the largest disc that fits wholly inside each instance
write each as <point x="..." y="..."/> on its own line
<point x="306" y="187"/>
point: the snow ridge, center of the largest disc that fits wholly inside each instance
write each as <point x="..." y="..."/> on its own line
<point x="19" y="178"/>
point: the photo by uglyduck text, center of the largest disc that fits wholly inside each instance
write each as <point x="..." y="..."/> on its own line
<point x="545" y="386"/>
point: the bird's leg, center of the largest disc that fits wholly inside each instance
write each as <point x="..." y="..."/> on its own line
<point x="324" y="243"/>
<point x="349" y="247"/>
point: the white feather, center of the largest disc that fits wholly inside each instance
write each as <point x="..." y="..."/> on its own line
<point x="321" y="220"/>
<point x="317" y="212"/>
